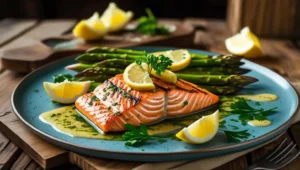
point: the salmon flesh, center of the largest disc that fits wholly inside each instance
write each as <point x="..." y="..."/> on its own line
<point x="113" y="104"/>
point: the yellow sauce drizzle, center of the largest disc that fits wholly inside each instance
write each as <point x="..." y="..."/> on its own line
<point x="67" y="121"/>
<point x="258" y="123"/>
<point x="260" y="97"/>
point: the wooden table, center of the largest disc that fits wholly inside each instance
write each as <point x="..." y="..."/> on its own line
<point x="283" y="56"/>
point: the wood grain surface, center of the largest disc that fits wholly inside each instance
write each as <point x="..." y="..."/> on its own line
<point x="282" y="57"/>
<point x="33" y="55"/>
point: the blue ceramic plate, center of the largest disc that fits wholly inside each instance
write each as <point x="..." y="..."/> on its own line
<point x="29" y="100"/>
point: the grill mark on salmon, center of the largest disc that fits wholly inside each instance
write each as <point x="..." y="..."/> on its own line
<point x="118" y="104"/>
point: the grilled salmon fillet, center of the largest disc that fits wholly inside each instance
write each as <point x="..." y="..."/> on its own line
<point x="113" y="104"/>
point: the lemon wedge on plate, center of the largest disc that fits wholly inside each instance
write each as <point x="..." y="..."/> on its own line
<point x="137" y="77"/>
<point x="181" y="58"/>
<point x="90" y="29"/>
<point x="115" y="18"/>
<point x="244" y="44"/>
<point x="66" y="92"/>
<point x="201" y="131"/>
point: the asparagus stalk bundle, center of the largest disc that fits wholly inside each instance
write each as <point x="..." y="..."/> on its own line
<point x="219" y="74"/>
<point x="78" y="67"/>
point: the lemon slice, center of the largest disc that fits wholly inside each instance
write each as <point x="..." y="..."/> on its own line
<point x="66" y="92"/>
<point x="137" y="77"/>
<point x="90" y="29"/>
<point x="167" y="76"/>
<point x="201" y="131"/>
<point x="244" y="44"/>
<point x="181" y="58"/>
<point x="115" y="18"/>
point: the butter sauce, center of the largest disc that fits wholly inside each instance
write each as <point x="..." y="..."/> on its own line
<point x="67" y="121"/>
<point x="259" y="123"/>
<point x="260" y="97"/>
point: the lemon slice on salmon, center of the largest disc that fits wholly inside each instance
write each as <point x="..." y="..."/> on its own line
<point x="90" y="29"/>
<point x="66" y="92"/>
<point x="244" y="44"/>
<point x="167" y="76"/>
<point x="137" y="77"/>
<point x="181" y="58"/>
<point x="115" y="18"/>
<point x="201" y="131"/>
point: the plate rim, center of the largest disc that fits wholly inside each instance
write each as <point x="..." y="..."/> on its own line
<point x="234" y="146"/>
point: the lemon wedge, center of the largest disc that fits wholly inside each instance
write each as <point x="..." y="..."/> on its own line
<point x="181" y="58"/>
<point x="90" y="29"/>
<point x="66" y="92"/>
<point x="201" y="131"/>
<point x="115" y="18"/>
<point x="137" y="77"/>
<point x="244" y="44"/>
<point x="167" y="76"/>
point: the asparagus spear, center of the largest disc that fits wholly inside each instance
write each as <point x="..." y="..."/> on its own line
<point x="210" y="61"/>
<point x="96" y="57"/>
<point x="214" y="62"/>
<point x="79" y="67"/>
<point x="194" y="70"/>
<point x="224" y="57"/>
<point x="121" y="63"/>
<point x="217" y="79"/>
<point x="213" y="70"/>
<point x="115" y="50"/>
<point x="221" y="89"/>
<point x="98" y="78"/>
<point x="95" y="71"/>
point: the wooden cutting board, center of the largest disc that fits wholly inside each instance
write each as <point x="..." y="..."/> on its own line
<point x="50" y="156"/>
<point x="36" y="54"/>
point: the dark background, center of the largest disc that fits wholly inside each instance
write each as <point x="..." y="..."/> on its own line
<point x="48" y="9"/>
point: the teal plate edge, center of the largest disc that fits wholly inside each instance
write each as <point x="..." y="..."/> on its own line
<point x="159" y="156"/>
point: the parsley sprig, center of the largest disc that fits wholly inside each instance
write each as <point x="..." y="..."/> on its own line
<point x="62" y="77"/>
<point x="148" y="25"/>
<point x="138" y="137"/>
<point x="236" y="136"/>
<point x="158" y="64"/>
<point x="246" y="112"/>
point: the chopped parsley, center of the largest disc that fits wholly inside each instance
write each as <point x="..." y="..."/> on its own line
<point x="185" y="103"/>
<point x="138" y="137"/>
<point x="247" y="113"/>
<point x="62" y="77"/>
<point x="115" y="104"/>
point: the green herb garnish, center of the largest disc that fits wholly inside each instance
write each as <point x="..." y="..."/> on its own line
<point x="185" y="103"/>
<point x="158" y="64"/>
<point x="236" y="136"/>
<point x="62" y="77"/>
<point x="247" y="113"/>
<point x="138" y="137"/>
<point x="148" y="25"/>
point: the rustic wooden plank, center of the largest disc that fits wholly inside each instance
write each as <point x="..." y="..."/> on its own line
<point x="91" y="163"/>
<point x="236" y="164"/>
<point x="44" y="153"/>
<point x="8" y="155"/>
<point x="11" y="28"/>
<point x="33" y="165"/>
<point x="22" y="162"/>
<point x="46" y="28"/>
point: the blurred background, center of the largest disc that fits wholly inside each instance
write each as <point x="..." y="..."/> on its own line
<point x="49" y="9"/>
